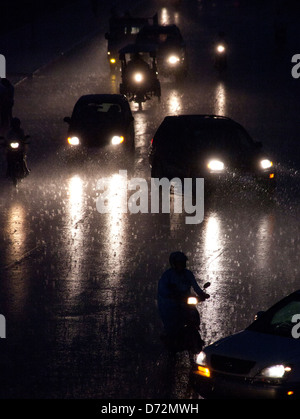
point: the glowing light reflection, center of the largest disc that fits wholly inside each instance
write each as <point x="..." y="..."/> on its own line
<point x="220" y="100"/>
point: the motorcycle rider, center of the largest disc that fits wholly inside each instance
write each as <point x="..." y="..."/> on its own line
<point x="174" y="287"/>
<point x="137" y="64"/>
<point x="17" y="133"/>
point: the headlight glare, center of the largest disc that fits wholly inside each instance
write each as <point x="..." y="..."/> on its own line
<point x="266" y="164"/>
<point x="73" y="141"/>
<point x="116" y="139"/>
<point x="14" y="145"/>
<point x="274" y="371"/>
<point x="216" y="165"/>
<point x="220" y="48"/>
<point x="192" y="301"/>
<point x="138" y="77"/>
<point x="173" y="59"/>
<point x="201" y="358"/>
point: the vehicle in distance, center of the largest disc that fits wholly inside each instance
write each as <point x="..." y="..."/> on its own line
<point x="171" y="48"/>
<point x="215" y="148"/>
<point x="122" y="31"/>
<point x="262" y="361"/>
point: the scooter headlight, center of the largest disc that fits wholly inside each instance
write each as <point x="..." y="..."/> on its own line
<point x="14" y="145"/>
<point x="73" y="141"/>
<point x="116" y="139"/>
<point x="173" y="59"/>
<point x="220" y="48"/>
<point x="192" y="301"/>
<point x="138" y="77"/>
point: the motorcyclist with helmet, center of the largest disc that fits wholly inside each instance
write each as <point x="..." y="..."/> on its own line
<point x="174" y="287"/>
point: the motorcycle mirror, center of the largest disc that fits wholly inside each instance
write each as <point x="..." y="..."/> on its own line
<point x="206" y="285"/>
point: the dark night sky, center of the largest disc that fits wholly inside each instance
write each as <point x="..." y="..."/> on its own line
<point x="16" y="13"/>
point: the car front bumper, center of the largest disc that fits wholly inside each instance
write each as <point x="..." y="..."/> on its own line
<point x="221" y="386"/>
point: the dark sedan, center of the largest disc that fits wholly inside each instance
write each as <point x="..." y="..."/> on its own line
<point x="100" y="120"/>
<point x="215" y="148"/>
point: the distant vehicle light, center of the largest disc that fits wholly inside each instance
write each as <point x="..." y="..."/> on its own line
<point x="73" y="141"/>
<point x="116" y="139"/>
<point x="14" y="145"/>
<point x="173" y="59"/>
<point x="216" y="165"/>
<point x="112" y="60"/>
<point x="138" y="77"/>
<point x="266" y="164"/>
<point x="220" y="48"/>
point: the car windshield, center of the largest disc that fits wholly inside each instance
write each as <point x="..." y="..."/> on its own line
<point x="159" y="37"/>
<point x="216" y="136"/>
<point x="96" y="111"/>
<point x="219" y="137"/>
<point x="278" y="320"/>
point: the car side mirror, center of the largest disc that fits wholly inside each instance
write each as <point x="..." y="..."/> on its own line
<point x="67" y="119"/>
<point x="258" y="315"/>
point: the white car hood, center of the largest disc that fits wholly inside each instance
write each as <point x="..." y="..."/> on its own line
<point x="262" y="348"/>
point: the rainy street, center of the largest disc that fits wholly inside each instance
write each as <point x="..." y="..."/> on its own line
<point x="78" y="288"/>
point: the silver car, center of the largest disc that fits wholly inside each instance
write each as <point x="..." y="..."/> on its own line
<point x="262" y="361"/>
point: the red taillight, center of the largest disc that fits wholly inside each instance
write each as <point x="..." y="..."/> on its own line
<point x="152" y="141"/>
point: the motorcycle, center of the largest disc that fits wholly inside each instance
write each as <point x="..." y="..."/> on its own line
<point x="16" y="159"/>
<point x="187" y="337"/>
<point x="139" y="79"/>
<point x="221" y="57"/>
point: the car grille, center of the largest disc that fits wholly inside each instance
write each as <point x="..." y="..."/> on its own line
<point x="231" y="365"/>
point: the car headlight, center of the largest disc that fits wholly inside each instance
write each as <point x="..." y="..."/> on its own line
<point x="138" y="77"/>
<point x="14" y="145"/>
<point x="266" y="164"/>
<point x="201" y="358"/>
<point x="173" y="59"/>
<point x="216" y="165"/>
<point x="273" y="374"/>
<point x="73" y="141"/>
<point x="116" y="139"/>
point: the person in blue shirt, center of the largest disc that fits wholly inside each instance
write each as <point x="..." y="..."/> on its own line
<point x="174" y="287"/>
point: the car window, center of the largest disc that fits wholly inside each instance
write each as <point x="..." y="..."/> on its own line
<point x="278" y="321"/>
<point x="93" y="108"/>
<point x="219" y="137"/>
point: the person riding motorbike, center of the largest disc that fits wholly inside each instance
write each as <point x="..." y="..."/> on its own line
<point x="174" y="287"/>
<point x="137" y="64"/>
<point x="17" y="133"/>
